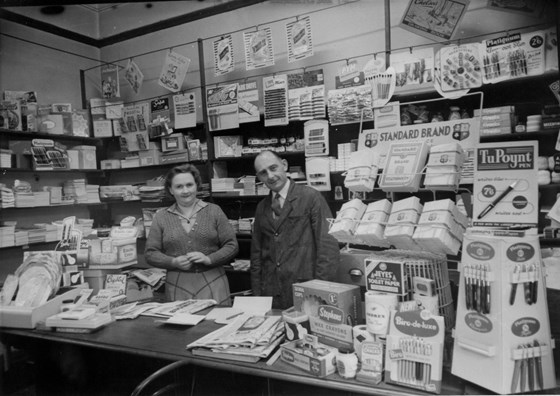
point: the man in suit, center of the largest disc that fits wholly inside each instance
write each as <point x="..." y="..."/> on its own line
<point x="290" y="240"/>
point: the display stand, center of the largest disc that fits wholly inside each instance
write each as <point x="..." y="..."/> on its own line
<point x="502" y="323"/>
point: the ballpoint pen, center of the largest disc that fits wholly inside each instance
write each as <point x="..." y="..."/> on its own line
<point x="516" y="271"/>
<point x="497" y="200"/>
<point x="534" y="283"/>
<point x="538" y="364"/>
<point x="531" y="367"/>
<point x="516" y="374"/>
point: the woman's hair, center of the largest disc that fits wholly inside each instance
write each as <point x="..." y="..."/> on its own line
<point x="187" y="168"/>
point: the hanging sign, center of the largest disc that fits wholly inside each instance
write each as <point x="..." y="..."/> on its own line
<point x="174" y="71"/>
<point x="258" y="49"/>
<point x="436" y="20"/>
<point x="184" y="108"/>
<point x="223" y="56"/>
<point x="110" y="81"/>
<point x="134" y="76"/>
<point x="298" y="34"/>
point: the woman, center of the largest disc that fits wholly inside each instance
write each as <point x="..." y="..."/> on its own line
<point x="192" y="239"/>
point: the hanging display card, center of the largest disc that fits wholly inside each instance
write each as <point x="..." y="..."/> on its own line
<point x="223" y="110"/>
<point x="505" y="189"/>
<point x="461" y="67"/>
<point x="184" y="107"/>
<point x="134" y="76"/>
<point x="413" y="68"/>
<point x="275" y="100"/>
<point x="438" y="77"/>
<point x="512" y="56"/>
<point x="223" y="56"/>
<point x="436" y="20"/>
<point x="306" y="95"/>
<point x="110" y="81"/>
<point x="298" y="34"/>
<point x="349" y="76"/>
<point x="248" y="102"/>
<point x="174" y="71"/>
<point x="160" y="117"/>
<point x="350" y="105"/>
<point x="258" y="49"/>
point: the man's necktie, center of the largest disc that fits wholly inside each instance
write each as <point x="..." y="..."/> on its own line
<point x="276" y="208"/>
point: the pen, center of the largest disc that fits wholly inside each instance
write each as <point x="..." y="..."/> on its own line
<point x="234" y="316"/>
<point x="497" y="200"/>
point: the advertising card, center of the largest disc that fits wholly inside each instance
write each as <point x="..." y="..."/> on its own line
<point x="174" y="71"/>
<point x="505" y="190"/>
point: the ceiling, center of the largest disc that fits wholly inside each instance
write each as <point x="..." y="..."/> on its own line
<point x="100" y="23"/>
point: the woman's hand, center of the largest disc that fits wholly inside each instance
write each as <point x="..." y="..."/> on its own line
<point x="182" y="263"/>
<point x="199" y="258"/>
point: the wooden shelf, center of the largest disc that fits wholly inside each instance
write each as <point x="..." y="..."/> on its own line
<point x="42" y="135"/>
<point x="54" y="206"/>
<point x="16" y="170"/>
<point x="158" y="166"/>
<point x="517" y="136"/>
<point x="252" y="156"/>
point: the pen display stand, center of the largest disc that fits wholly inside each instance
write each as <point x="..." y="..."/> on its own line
<point x="502" y="334"/>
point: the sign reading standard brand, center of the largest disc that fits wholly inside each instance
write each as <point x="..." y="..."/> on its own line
<point x="506" y="184"/>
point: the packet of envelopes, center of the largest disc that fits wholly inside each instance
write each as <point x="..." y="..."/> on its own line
<point x="402" y="222"/>
<point x="440" y="227"/>
<point x="347" y="219"/>
<point x="371" y="228"/>
<point x="362" y="170"/>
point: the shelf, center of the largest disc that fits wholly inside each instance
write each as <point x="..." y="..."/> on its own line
<point x="53" y="206"/>
<point x="253" y="156"/>
<point x="549" y="242"/>
<point x="158" y="166"/>
<point x="42" y="135"/>
<point x="16" y="170"/>
<point x="237" y="197"/>
<point x="543" y="134"/>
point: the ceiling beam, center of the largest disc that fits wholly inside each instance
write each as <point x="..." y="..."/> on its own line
<point x="40" y="3"/>
<point x="130" y="34"/>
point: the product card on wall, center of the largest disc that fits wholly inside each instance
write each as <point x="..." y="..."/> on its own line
<point x="413" y="68"/>
<point x="275" y="100"/>
<point x="223" y="109"/>
<point x="298" y="34"/>
<point x="258" y="49"/>
<point x="134" y="76"/>
<point x="223" y="56"/>
<point x="505" y="189"/>
<point x="174" y="71"/>
<point x="512" y="56"/>
<point x="248" y="102"/>
<point x="184" y="107"/>
<point x="460" y="67"/>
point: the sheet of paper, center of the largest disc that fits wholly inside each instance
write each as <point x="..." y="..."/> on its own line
<point x="185" y="319"/>
<point x="253" y="305"/>
<point x="222" y="313"/>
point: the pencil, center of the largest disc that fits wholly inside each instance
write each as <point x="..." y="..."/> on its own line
<point x="234" y="316"/>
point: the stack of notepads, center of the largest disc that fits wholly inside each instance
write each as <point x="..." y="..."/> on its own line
<point x="81" y="319"/>
<point x="248" y="338"/>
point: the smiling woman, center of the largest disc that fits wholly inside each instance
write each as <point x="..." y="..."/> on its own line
<point x="192" y="239"/>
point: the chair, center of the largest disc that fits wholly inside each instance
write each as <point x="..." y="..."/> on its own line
<point x="164" y="381"/>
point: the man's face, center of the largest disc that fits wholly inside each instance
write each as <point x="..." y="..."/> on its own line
<point x="271" y="171"/>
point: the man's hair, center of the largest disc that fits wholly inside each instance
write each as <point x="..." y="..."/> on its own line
<point x="274" y="153"/>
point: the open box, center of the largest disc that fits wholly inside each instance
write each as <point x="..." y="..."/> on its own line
<point x="28" y="317"/>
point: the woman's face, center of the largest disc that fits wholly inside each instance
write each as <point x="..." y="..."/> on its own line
<point x="183" y="189"/>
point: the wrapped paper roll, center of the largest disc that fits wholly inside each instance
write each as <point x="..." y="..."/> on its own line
<point x="378" y="311"/>
<point x="360" y="334"/>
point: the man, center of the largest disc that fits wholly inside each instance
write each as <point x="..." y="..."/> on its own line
<point x="290" y="238"/>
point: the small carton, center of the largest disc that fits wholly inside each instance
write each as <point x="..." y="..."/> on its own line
<point x="333" y="309"/>
<point x="102" y="128"/>
<point x="310" y="355"/>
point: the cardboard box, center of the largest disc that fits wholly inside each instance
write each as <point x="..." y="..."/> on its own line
<point x="88" y="158"/>
<point x="102" y="128"/>
<point x="172" y="142"/>
<point x="51" y="123"/>
<point x="27" y="318"/>
<point x="333" y="309"/>
<point x="73" y="159"/>
<point x="319" y="361"/>
<point x="111" y="164"/>
<point x="175" y="156"/>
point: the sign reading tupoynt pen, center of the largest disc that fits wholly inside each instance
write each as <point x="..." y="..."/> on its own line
<point x="505" y="190"/>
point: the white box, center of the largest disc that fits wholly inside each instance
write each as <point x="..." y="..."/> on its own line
<point x="102" y="128"/>
<point x="27" y="317"/>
